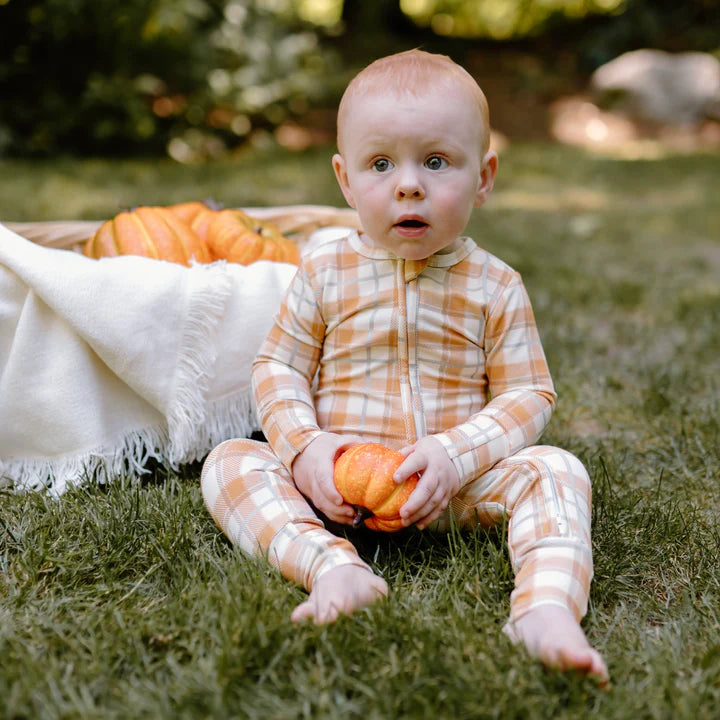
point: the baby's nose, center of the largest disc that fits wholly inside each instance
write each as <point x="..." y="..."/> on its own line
<point x="409" y="185"/>
<point x="409" y="190"/>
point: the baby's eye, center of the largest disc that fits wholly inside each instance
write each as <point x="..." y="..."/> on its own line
<point x="435" y="163"/>
<point x="382" y="165"/>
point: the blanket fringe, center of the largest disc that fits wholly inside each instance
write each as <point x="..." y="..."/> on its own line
<point x="228" y="418"/>
<point x="231" y="417"/>
<point x="187" y="410"/>
<point x="126" y="458"/>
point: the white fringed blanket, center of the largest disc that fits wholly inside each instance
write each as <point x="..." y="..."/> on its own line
<point x="107" y="363"/>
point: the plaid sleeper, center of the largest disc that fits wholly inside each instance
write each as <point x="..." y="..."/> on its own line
<point x="394" y="350"/>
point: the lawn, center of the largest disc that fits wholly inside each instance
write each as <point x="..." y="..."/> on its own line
<point x="127" y="602"/>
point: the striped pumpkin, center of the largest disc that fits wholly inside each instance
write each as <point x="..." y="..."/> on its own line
<point x="234" y="236"/>
<point x="153" y="232"/>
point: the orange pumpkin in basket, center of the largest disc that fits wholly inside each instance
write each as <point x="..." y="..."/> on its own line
<point x="153" y="232"/>
<point x="188" y="211"/>
<point x="196" y="214"/>
<point x="236" y="237"/>
<point x="363" y="476"/>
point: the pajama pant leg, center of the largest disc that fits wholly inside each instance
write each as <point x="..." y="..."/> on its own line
<point x="251" y="496"/>
<point x="544" y="493"/>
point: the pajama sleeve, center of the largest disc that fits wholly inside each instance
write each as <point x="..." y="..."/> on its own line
<point x="284" y="369"/>
<point x="521" y="391"/>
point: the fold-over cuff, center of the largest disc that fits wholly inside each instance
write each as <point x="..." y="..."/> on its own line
<point x="475" y="447"/>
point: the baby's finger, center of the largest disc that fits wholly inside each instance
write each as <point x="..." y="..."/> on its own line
<point x="430" y="510"/>
<point x="425" y="520"/>
<point x="433" y="515"/>
<point x="413" y="463"/>
<point x="420" y="502"/>
<point x="429" y="519"/>
<point x="335" y="506"/>
<point x="330" y="492"/>
<point x="343" y="513"/>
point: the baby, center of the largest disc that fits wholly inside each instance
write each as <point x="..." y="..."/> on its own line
<point x="410" y="335"/>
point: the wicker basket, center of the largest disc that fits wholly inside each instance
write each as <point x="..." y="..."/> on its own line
<point x="296" y="221"/>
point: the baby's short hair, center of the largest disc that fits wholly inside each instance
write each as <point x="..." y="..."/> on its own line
<point x="412" y="72"/>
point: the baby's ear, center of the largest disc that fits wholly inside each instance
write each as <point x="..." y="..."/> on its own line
<point x="338" y="163"/>
<point x="488" y="170"/>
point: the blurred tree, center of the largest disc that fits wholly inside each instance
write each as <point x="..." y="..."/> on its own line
<point x="77" y="74"/>
<point x="663" y="24"/>
<point x="500" y="19"/>
<point x="596" y="29"/>
<point x="97" y="76"/>
<point x="194" y="77"/>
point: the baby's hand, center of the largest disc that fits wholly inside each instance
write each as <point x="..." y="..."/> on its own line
<point x="313" y="475"/>
<point x="439" y="481"/>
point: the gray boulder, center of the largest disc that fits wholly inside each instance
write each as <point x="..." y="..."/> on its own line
<point x="659" y="87"/>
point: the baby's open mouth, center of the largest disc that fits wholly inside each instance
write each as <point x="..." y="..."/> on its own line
<point x="411" y="223"/>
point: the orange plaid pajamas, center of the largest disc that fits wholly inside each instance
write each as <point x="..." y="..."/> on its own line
<point x="393" y="350"/>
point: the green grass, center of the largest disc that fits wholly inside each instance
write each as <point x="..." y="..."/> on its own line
<point x="97" y="189"/>
<point x="126" y="601"/>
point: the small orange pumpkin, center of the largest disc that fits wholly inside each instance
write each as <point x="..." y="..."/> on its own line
<point x="201" y="222"/>
<point x="234" y="236"/>
<point x="196" y="214"/>
<point x="188" y="211"/>
<point x="363" y="476"/>
<point x="154" y="232"/>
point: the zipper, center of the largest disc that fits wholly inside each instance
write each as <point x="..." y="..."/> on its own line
<point x="559" y="515"/>
<point x="407" y="352"/>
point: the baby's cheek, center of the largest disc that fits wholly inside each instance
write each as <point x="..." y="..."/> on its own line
<point x="373" y="195"/>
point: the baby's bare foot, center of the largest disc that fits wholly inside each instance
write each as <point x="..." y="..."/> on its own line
<point x="552" y="635"/>
<point x="342" y="590"/>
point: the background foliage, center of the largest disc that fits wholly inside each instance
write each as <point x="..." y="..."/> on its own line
<point x="97" y="76"/>
<point x="196" y="77"/>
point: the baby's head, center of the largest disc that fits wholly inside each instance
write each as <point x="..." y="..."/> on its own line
<point x="413" y="156"/>
<point x="412" y="73"/>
